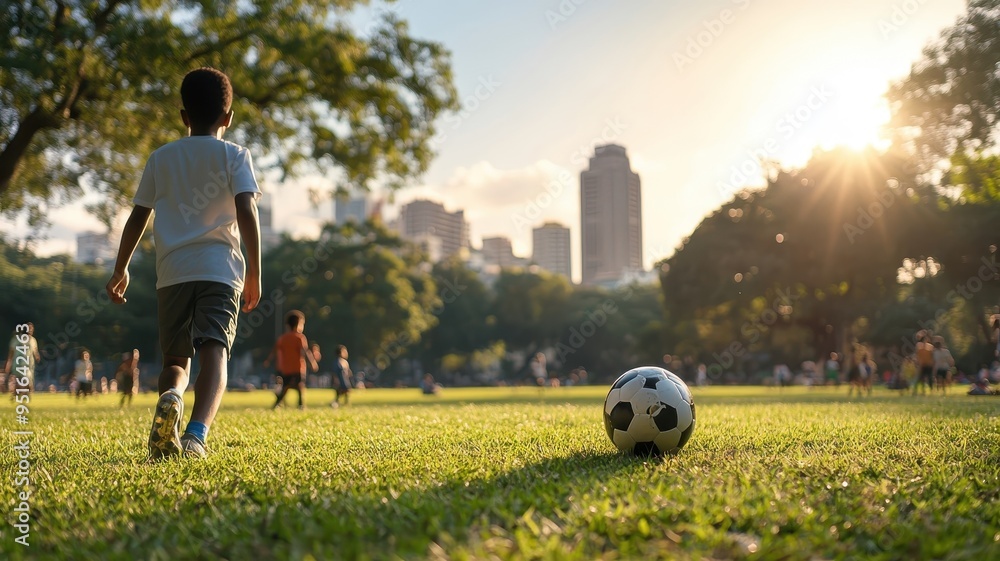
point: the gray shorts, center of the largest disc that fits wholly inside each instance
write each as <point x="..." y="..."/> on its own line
<point x="190" y="313"/>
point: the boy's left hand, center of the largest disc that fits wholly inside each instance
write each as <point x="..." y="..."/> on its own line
<point x="251" y="293"/>
<point x="117" y="285"/>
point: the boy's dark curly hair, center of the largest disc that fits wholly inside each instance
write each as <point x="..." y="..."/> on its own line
<point x="207" y="95"/>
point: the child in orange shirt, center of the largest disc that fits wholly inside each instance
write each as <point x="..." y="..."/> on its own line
<point x="292" y="350"/>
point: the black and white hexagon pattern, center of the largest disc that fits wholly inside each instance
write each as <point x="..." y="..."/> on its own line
<point x="649" y="411"/>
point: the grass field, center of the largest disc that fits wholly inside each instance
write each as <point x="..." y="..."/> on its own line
<point x="515" y="474"/>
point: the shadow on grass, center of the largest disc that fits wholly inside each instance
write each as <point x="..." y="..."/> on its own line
<point x="257" y="522"/>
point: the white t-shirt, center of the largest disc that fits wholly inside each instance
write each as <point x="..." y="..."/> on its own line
<point x="16" y="349"/>
<point x="83" y="371"/>
<point x="942" y="359"/>
<point x="191" y="184"/>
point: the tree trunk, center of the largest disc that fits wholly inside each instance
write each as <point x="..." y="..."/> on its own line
<point x="12" y="154"/>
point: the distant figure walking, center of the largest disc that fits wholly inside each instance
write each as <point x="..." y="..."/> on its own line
<point x="943" y="361"/>
<point x="292" y="351"/>
<point x="925" y="365"/>
<point x="782" y="375"/>
<point x="861" y="375"/>
<point x="83" y="371"/>
<point x="127" y="376"/>
<point x="539" y="370"/>
<point x="832" y="369"/>
<point x="428" y="386"/>
<point x="341" y="377"/>
<point x="701" y="376"/>
<point x="22" y="354"/>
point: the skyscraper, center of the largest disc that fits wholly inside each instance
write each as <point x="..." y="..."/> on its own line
<point x="498" y="251"/>
<point x="610" y="217"/>
<point x="422" y="218"/>
<point x="96" y="248"/>
<point x="354" y="208"/>
<point x="269" y="237"/>
<point x="550" y="248"/>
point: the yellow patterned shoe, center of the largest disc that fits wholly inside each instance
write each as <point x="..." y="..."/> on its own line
<point x="164" y="437"/>
<point x="193" y="447"/>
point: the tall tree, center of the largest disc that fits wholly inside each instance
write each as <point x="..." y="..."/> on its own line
<point x="464" y="319"/>
<point x="88" y="88"/>
<point x="950" y="101"/>
<point x="818" y="248"/>
<point x="529" y="309"/>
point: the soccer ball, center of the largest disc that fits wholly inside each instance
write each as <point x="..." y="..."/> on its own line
<point x="649" y="411"/>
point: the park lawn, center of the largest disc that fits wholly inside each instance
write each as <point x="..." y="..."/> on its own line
<point x="515" y="474"/>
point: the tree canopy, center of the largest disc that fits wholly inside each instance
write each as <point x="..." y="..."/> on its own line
<point x="950" y="101"/>
<point x="89" y="88"/>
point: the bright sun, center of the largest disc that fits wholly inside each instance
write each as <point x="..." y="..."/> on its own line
<point x="849" y="111"/>
<point x="856" y="124"/>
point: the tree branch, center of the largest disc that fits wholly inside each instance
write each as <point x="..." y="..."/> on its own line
<point x="208" y="49"/>
<point x="36" y="121"/>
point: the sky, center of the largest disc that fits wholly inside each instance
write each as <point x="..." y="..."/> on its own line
<point x="697" y="92"/>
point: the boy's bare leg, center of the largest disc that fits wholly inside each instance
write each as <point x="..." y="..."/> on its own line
<point x="174" y="375"/>
<point x="164" y="437"/>
<point x="211" y="382"/>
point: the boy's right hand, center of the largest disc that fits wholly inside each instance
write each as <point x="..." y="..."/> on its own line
<point x="117" y="285"/>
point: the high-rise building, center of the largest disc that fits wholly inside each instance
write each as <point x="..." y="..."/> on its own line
<point x="610" y="217"/>
<point x="269" y="238"/>
<point x="348" y="209"/>
<point x="421" y="218"/>
<point x="498" y="251"/>
<point x="95" y="248"/>
<point x="550" y="248"/>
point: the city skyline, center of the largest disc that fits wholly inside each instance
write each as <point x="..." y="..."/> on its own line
<point x="696" y="92"/>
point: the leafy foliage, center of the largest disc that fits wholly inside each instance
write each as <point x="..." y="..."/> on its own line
<point x="949" y="101"/>
<point x="88" y="89"/>
<point x="825" y="255"/>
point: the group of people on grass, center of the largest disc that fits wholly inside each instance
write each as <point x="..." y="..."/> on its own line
<point x="930" y="368"/>
<point x="290" y="354"/>
<point x="23" y="356"/>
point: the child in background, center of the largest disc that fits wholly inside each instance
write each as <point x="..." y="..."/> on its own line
<point x="83" y="372"/>
<point x="127" y="376"/>
<point x="341" y="377"/>
<point x="291" y="351"/>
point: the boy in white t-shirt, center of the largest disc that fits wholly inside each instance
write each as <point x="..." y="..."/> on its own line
<point x="204" y="193"/>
